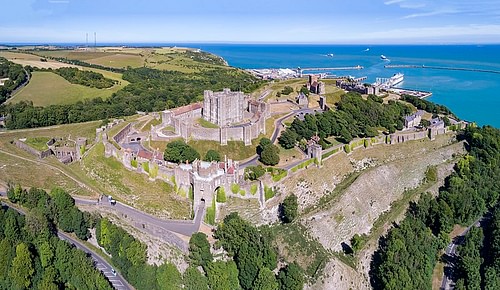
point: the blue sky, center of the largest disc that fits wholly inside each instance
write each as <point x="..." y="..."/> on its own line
<point x="268" y="21"/>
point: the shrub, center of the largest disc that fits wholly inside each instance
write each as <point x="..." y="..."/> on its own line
<point x="145" y="166"/>
<point x="210" y="215"/>
<point x="366" y="143"/>
<point x="243" y="192"/>
<point x="133" y="163"/>
<point x="268" y="192"/>
<point x="254" y="172"/>
<point x="289" y="209"/>
<point x="253" y="189"/>
<point x="235" y="188"/>
<point x="221" y="195"/>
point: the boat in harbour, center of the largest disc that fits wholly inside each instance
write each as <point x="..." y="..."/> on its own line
<point x="395" y="79"/>
<point x="383" y="57"/>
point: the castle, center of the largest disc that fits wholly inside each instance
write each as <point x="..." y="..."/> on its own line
<point x="315" y="86"/>
<point x="238" y="117"/>
<point x="223" y="108"/>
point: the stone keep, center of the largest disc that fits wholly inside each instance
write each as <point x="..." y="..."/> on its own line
<point x="223" y="108"/>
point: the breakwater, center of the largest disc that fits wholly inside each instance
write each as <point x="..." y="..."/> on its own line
<point x="442" y="68"/>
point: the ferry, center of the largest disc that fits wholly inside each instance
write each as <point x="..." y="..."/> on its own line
<point x="395" y="79"/>
<point x="383" y="57"/>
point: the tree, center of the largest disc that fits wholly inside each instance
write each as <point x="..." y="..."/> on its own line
<point x="254" y="172"/>
<point x="304" y="90"/>
<point x="22" y="267"/>
<point x="37" y="226"/>
<point x="289" y="209"/>
<point x="199" y="250"/>
<point x="178" y="151"/>
<point x="212" y="155"/>
<point x="291" y="278"/>
<point x="222" y="275"/>
<point x="194" y="280"/>
<point x="425" y="123"/>
<point x="270" y="155"/>
<point x="266" y="280"/>
<point x="268" y="152"/>
<point x="288" y="139"/>
<point x="168" y="277"/>
<point x="248" y="262"/>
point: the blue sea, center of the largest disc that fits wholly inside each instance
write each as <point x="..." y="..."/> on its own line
<point x="472" y="96"/>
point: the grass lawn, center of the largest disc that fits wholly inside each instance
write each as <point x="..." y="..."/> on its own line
<point x="31" y="174"/>
<point x="147" y="127"/>
<point x="38" y="143"/>
<point x="136" y="189"/>
<point x="86" y="130"/>
<point x="235" y="150"/>
<point x="46" y="88"/>
<point x="207" y="124"/>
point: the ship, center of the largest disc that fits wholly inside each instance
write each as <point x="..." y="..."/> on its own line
<point x="395" y="79"/>
<point x="330" y="55"/>
<point x="383" y="57"/>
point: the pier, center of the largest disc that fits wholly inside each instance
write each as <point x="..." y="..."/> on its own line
<point x="358" y="67"/>
<point x="411" y="92"/>
<point x="442" y="68"/>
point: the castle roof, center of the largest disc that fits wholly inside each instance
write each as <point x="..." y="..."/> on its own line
<point x="145" y="154"/>
<point x="185" y="109"/>
<point x="412" y="117"/>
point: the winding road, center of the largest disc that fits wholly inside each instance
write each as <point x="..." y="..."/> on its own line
<point x="451" y="253"/>
<point x="166" y="230"/>
<point x="116" y="279"/>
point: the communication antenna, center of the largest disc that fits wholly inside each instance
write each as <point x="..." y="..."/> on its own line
<point x="95" y="41"/>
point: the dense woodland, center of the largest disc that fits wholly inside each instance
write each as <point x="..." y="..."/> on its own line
<point x="407" y="255"/>
<point x="149" y="90"/>
<point x="16" y="75"/>
<point x="33" y="257"/>
<point x="354" y="117"/>
<point x="85" y="78"/>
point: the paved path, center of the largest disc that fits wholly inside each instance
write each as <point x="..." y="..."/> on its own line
<point x="451" y="253"/>
<point x="116" y="278"/>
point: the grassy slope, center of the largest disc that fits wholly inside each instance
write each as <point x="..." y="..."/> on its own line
<point x="46" y="88"/>
<point x="111" y="177"/>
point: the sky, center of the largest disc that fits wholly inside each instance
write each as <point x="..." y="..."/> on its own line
<point x="251" y="21"/>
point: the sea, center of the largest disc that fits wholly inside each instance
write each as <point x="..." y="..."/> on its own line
<point x="471" y="95"/>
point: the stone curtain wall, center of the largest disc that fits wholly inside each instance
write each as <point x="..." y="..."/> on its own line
<point x="32" y="151"/>
<point x="200" y="133"/>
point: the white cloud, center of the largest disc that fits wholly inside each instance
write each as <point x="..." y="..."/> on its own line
<point x="390" y="2"/>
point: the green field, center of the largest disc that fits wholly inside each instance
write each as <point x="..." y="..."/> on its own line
<point x="162" y="58"/>
<point x="38" y="143"/>
<point x="46" y="88"/>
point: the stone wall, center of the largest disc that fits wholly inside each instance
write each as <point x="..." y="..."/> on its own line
<point x="122" y="134"/>
<point x="200" y="133"/>
<point x="32" y="151"/>
<point x="404" y="137"/>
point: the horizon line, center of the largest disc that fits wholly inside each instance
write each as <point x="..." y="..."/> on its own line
<point x="154" y="43"/>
